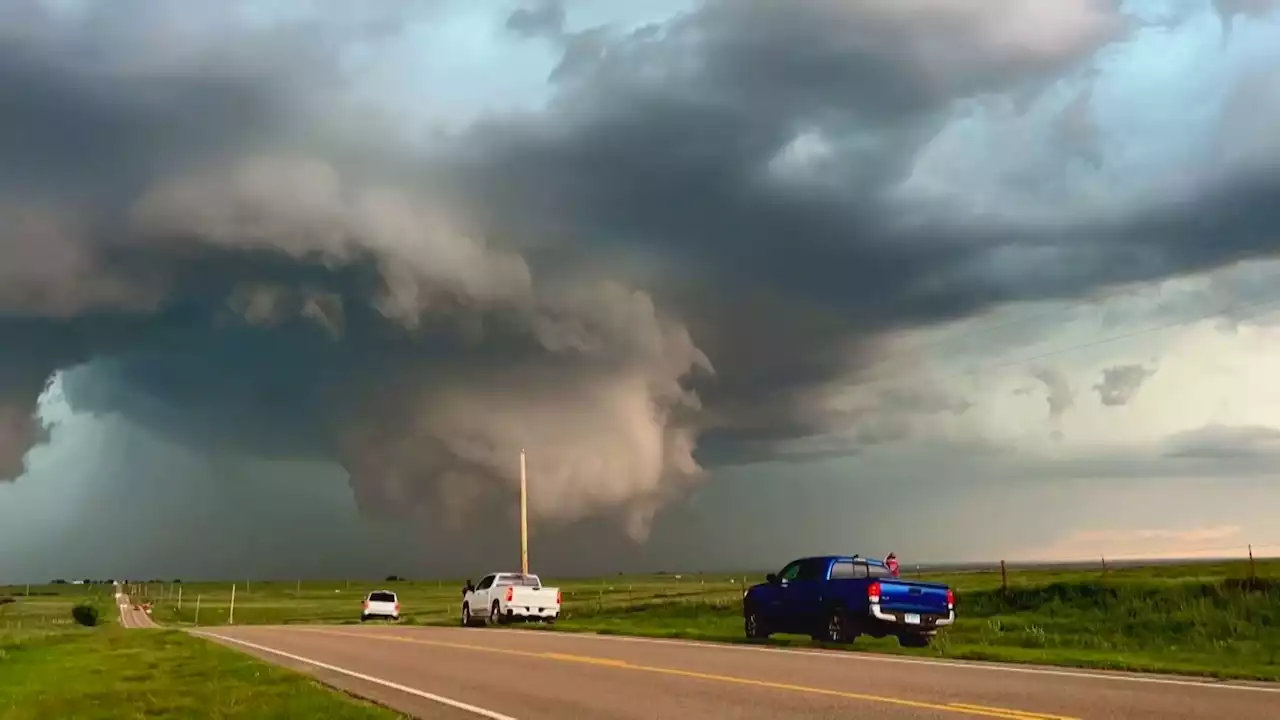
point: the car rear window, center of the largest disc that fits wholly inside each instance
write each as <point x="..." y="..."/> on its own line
<point x="520" y="580"/>
<point x="382" y="597"/>
<point x="879" y="571"/>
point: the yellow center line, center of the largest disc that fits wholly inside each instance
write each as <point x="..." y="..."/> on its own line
<point x="979" y="710"/>
<point x="1022" y="713"/>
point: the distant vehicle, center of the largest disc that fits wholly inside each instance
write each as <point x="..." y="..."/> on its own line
<point x="380" y="603"/>
<point x="501" y="598"/>
<point x="838" y="598"/>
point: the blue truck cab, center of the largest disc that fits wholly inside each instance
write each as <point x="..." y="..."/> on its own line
<point x="836" y="598"/>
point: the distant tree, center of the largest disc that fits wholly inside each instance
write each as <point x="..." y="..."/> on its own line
<point x="59" y="581"/>
<point x="177" y="581"/>
<point x="394" y="578"/>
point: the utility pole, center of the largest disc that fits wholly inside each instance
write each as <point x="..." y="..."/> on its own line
<point x="524" y="517"/>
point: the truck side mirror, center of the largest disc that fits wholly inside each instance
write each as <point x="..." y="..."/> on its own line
<point x="771" y="578"/>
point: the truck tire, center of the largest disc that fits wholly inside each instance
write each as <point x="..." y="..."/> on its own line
<point x="754" y="626"/>
<point x="495" y="614"/>
<point x="837" y="627"/>
<point x="914" y="640"/>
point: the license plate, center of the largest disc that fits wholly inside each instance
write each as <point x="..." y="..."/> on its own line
<point x="911" y="619"/>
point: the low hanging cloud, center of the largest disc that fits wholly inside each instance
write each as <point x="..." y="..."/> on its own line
<point x="1120" y="384"/>
<point x="1225" y="442"/>
<point x="703" y="228"/>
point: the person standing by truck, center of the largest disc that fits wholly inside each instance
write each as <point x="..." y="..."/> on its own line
<point x="891" y="562"/>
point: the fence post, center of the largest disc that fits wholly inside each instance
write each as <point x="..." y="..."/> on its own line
<point x="1004" y="578"/>
<point x="231" y="614"/>
<point x="197" y="622"/>
<point x="179" y="597"/>
<point x="1104" y="566"/>
<point x="1253" y="569"/>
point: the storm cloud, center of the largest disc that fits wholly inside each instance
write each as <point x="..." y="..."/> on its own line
<point x="1120" y="384"/>
<point x="711" y="219"/>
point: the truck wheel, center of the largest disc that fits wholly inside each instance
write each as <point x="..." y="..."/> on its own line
<point x="914" y="640"/>
<point x="837" y="627"/>
<point x="754" y="626"/>
<point x="495" y="614"/>
<point x="466" y="616"/>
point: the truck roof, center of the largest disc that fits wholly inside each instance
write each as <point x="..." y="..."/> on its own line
<point x="847" y="558"/>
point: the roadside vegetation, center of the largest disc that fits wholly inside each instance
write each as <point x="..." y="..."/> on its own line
<point x="1203" y="619"/>
<point x="63" y="655"/>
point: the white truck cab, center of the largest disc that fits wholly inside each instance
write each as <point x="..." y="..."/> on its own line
<point x="500" y="598"/>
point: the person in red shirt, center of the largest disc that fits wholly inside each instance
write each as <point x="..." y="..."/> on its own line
<point x="891" y="562"/>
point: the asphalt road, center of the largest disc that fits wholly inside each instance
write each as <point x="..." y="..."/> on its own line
<point x="129" y="617"/>
<point x="511" y="674"/>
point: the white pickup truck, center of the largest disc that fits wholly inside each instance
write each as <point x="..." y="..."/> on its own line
<point x="500" y="598"/>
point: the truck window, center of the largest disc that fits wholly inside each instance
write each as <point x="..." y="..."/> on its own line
<point x="848" y="570"/>
<point x="791" y="571"/>
<point x="518" y="580"/>
<point x="382" y="597"/>
<point x="813" y="569"/>
<point x="485" y="583"/>
<point x="879" y="571"/>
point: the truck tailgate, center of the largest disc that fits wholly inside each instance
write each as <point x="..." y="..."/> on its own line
<point x="540" y="598"/>
<point x="904" y="596"/>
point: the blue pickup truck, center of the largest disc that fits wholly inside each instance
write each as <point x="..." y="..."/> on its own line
<point x="837" y="598"/>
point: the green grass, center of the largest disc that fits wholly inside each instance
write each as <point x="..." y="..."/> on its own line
<point x="1192" y="619"/>
<point x="51" y="667"/>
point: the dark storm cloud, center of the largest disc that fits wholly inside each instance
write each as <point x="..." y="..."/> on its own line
<point x="1120" y="384"/>
<point x="229" y="283"/>
<point x="231" y="268"/>
<point x="669" y="141"/>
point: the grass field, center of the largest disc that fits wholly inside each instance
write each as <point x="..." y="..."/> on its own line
<point x="51" y="667"/>
<point x="1194" y="619"/>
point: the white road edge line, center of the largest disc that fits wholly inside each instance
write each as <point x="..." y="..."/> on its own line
<point x="367" y="678"/>
<point x="871" y="657"/>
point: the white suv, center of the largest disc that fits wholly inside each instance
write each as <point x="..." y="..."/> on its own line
<point x="380" y="603"/>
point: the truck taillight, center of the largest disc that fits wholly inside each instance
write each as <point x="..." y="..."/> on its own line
<point x="366" y="604"/>
<point x="873" y="592"/>
<point x="951" y="598"/>
<point x="558" y="597"/>
<point x="510" y="593"/>
<point x="397" y="608"/>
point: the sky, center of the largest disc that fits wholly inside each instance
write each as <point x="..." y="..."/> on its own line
<point x="287" y="285"/>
